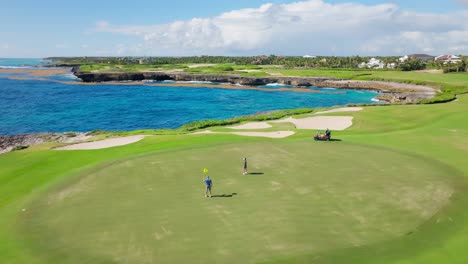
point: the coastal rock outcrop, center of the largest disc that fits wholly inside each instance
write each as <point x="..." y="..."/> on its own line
<point x="394" y="92"/>
<point x="9" y="143"/>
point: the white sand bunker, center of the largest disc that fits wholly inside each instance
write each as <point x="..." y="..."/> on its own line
<point x="106" y="143"/>
<point x="342" y="109"/>
<point x="320" y="122"/>
<point x="274" y="134"/>
<point x="252" y="125"/>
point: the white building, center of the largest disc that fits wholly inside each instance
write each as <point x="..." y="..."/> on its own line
<point x="391" y="65"/>
<point x="309" y="56"/>
<point x="377" y="64"/>
<point x="373" y="64"/>
<point x="448" y="58"/>
<point x="423" y="57"/>
<point x="404" y="58"/>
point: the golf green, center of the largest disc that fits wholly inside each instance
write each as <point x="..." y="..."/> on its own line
<point x="301" y="197"/>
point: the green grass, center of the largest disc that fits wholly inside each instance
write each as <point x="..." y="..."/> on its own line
<point x="151" y="207"/>
<point x="450" y="84"/>
<point x="377" y="196"/>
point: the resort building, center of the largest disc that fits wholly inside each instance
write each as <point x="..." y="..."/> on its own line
<point x="423" y="57"/>
<point x="373" y="63"/>
<point x="448" y="58"/>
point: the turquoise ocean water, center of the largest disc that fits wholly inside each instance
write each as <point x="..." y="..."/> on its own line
<point x="31" y="106"/>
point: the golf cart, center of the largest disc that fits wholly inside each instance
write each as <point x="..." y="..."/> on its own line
<point x="324" y="137"/>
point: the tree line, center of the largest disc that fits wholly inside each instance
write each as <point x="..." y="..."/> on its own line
<point x="351" y="62"/>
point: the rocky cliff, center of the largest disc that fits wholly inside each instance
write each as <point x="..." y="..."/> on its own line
<point x="395" y="92"/>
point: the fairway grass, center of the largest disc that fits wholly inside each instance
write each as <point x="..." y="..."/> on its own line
<point x="152" y="209"/>
<point x="393" y="189"/>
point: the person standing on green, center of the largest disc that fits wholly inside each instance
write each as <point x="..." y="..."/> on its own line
<point x="208" y="184"/>
<point x="245" y="166"/>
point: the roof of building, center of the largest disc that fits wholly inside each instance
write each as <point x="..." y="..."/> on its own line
<point x="447" y="57"/>
<point x="420" y="56"/>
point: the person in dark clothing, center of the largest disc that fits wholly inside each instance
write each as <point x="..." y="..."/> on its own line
<point x="245" y="166"/>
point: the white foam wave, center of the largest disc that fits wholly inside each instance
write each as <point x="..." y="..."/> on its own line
<point x="328" y="88"/>
<point x="196" y="82"/>
<point x="275" y="84"/>
<point x="71" y="76"/>
<point x="14" y="67"/>
<point x="375" y="100"/>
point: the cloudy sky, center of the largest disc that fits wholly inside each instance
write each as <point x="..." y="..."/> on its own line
<point x="242" y="27"/>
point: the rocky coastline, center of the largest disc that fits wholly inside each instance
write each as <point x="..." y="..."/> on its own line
<point x="391" y="92"/>
<point x="17" y="142"/>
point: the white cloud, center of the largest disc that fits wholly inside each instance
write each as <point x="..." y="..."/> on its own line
<point x="84" y="46"/>
<point x="307" y="27"/>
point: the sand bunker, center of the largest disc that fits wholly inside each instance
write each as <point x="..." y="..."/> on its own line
<point x="320" y="122"/>
<point x="198" y="65"/>
<point x="343" y="109"/>
<point x="252" y="125"/>
<point x="274" y="134"/>
<point x="106" y="143"/>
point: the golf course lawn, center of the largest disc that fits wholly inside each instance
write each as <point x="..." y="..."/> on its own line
<point x="392" y="189"/>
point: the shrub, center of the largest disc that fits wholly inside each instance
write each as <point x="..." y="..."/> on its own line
<point x="412" y="65"/>
<point x="259" y="117"/>
<point x="20" y="147"/>
<point x="225" y="68"/>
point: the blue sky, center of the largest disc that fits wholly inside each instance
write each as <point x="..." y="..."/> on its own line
<point x="93" y="28"/>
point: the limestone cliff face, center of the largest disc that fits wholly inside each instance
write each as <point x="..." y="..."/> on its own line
<point x="161" y="76"/>
<point x="395" y="92"/>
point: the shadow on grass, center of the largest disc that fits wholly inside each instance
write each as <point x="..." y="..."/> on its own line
<point x="223" y="195"/>
<point x="255" y="173"/>
<point x="332" y="139"/>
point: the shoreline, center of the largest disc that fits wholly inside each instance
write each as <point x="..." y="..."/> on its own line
<point x="392" y="92"/>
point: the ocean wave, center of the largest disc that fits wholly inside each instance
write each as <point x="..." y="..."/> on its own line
<point x="70" y="76"/>
<point x="275" y="84"/>
<point x="328" y="88"/>
<point x="14" y="67"/>
<point x="375" y="100"/>
<point x="196" y="82"/>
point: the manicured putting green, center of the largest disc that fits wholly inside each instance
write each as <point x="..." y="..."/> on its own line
<point x="302" y="197"/>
